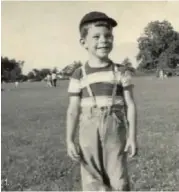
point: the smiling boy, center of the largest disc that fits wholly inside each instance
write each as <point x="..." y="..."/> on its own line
<point x="101" y="98"/>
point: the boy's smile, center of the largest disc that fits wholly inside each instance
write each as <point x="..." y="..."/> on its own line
<point x="99" y="41"/>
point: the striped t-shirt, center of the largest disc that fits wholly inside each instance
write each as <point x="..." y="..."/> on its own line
<point x="101" y="81"/>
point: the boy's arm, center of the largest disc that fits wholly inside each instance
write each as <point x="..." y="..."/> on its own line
<point x="131" y="145"/>
<point x="74" y="90"/>
<point x="131" y="113"/>
<point x="72" y="118"/>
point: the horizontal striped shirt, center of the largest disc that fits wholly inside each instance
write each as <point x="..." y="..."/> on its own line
<point x="101" y="81"/>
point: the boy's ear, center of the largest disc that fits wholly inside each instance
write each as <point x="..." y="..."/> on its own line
<point x="83" y="43"/>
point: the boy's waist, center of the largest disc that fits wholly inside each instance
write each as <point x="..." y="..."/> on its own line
<point x="102" y="101"/>
<point x="102" y="109"/>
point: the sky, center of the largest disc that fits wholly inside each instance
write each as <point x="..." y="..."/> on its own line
<point x="45" y="34"/>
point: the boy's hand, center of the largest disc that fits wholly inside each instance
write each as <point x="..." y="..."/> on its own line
<point x="131" y="147"/>
<point x="73" y="151"/>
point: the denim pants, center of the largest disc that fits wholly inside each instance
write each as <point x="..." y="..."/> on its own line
<point x="102" y="139"/>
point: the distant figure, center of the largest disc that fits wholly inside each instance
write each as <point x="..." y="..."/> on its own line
<point x="49" y="80"/>
<point x="161" y="74"/>
<point x="16" y="84"/>
<point x="165" y="76"/>
<point x="2" y="85"/>
<point x="54" y="79"/>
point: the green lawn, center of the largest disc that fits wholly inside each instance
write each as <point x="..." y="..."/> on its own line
<point x="33" y="137"/>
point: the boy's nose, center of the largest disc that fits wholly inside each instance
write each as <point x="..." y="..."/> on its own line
<point x="102" y="39"/>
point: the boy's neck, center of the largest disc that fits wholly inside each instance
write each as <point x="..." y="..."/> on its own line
<point x="97" y="62"/>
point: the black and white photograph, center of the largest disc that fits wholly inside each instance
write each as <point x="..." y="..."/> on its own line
<point x="89" y="96"/>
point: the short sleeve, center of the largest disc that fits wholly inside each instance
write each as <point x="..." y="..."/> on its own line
<point x="126" y="79"/>
<point x="74" y="87"/>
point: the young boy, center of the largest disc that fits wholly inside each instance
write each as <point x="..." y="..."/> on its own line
<point x="101" y="99"/>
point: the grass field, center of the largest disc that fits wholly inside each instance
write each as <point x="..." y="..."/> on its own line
<point x="33" y="137"/>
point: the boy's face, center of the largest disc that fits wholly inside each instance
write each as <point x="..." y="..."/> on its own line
<point x="98" y="41"/>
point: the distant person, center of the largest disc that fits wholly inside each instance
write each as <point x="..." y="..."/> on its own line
<point x="54" y="79"/>
<point x="165" y="76"/>
<point x="161" y="74"/>
<point x="2" y="84"/>
<point x="49" y="80"/>
<point x="16" y="84"/>
<point x="101" y="97"/>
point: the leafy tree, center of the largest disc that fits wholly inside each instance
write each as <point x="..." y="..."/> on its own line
<point x="55" y="70"/>
<point x="30" y="75"/>
<point x="69" y="69"/>
<point x="11" y="69"/>
<point x="158" y="46"/>
<point x="126" y="62"/>
<point x="43" y="72"/>
<point x="128" y="65"/>
<point x="38" y="74"/>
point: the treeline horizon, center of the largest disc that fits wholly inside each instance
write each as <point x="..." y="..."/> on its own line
<point x="158" y="48"/>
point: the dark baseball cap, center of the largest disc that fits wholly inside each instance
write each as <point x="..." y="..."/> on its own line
<point x="97" y="16"/>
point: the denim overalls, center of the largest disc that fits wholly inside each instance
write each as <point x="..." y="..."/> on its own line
<point x="102" y="139"/>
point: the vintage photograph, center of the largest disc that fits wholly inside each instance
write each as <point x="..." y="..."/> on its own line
<point x="90" y="96"/>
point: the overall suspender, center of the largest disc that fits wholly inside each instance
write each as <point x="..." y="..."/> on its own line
<point x="115" y="70"/>
<point x="89" y="88"/>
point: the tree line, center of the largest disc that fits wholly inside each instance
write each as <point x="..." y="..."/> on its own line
<point x="40" y="74"/>
<point x="158" y="48"/>
<point x="11" y="71"/>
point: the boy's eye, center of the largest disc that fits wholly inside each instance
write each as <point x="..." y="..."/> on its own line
<point x="96" y="36"/>
<point x="108" y="35"/>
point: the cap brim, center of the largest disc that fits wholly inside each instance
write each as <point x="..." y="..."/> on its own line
<point x="111" y="21"/>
